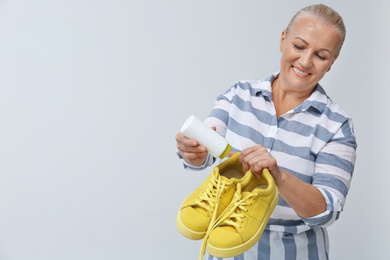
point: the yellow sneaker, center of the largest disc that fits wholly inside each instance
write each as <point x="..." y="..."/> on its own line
<point x="206" y="203"/>
<point x="241" y="225"/>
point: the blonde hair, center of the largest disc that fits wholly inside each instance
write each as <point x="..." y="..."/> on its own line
<point x="326" y="15"/>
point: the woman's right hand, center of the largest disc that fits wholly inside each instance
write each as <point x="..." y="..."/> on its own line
<point x="192" y="152"/>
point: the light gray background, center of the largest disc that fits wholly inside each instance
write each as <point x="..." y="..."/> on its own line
<point x="93" y="93"/>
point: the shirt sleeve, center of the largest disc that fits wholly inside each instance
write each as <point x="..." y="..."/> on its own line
<point x="333" y="174"/>
<point x="209" y="161"/>
<point x="330" y="215"/>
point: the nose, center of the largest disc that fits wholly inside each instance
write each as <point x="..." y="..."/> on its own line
<point x="306" y="60"/>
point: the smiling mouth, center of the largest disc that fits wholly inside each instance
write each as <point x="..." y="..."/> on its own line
<point x="300" y="72"/>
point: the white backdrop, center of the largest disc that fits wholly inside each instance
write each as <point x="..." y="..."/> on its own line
<point x="93" y="93"/>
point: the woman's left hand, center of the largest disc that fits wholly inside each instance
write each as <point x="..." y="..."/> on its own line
<point x="256" y="158"/>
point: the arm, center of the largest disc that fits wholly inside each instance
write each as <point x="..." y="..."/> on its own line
<point x="304" y="198"/>
<point x="321" y="201"/>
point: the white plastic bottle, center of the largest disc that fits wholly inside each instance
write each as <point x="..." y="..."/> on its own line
<point x="216" y="145"/>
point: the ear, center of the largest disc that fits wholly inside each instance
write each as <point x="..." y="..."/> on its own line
<point x="282" y="40"/>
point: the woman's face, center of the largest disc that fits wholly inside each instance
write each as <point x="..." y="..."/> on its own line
<point x="308" y="51"/>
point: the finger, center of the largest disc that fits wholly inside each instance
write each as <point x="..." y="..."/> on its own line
<point x="257" y="168"/>
<point x="183" y="141"/>
<point x="245" y="166"/>
<point x="181" y="138"/>
<point x="190" y="148"/>
<point x="255" y="162"/>
<point x="230" y="154"/>
<point x="193" y="156"/>
<point x="266" y="162"/>
<point x="253" y="148"/>
<point x="248" y="158"/>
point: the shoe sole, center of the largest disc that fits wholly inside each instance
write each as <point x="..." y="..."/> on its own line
<point x="188" y="233"/>
<point x="234" y="251"/>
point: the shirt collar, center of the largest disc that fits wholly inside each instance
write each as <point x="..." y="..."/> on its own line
<point x="318" y="99"/>
<point x="264" y="87"/>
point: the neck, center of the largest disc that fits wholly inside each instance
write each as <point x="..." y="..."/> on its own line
<point x="286" y="99"/>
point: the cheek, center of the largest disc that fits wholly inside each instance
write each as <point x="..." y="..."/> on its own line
<point x="326" y="68"/>
<point x="283" y="62"/>
<point x="286" y="60"/>
<point x="289" y="55"/>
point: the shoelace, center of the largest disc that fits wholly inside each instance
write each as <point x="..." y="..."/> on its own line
<point x="212" y="196"/>
<point x="232" y="216"/>
<point x="237" y="212"/>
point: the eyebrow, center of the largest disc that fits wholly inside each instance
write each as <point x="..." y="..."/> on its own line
<point x="322" y="49"/>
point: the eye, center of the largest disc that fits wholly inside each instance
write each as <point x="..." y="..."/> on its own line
<point x="320" y="56"/>
<point x="298" y="47"/>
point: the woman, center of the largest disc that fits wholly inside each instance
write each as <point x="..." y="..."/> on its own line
<point x="288" y="124"/>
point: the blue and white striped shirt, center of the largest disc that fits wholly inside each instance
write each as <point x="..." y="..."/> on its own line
<point x="314" y="141"/>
